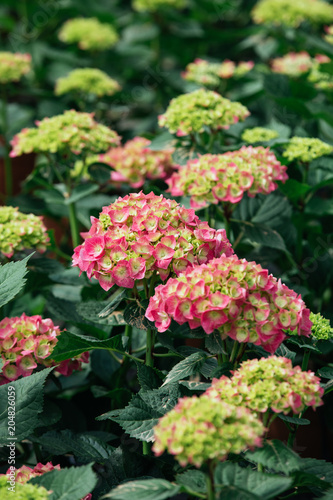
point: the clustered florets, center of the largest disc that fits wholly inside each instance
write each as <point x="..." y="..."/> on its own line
<point x="20" y="231"/>
<point x="154" y="5"/>
<point x="72" y="132"/>
<point x="26" y="341"/>
<point x="211" y="74"/>
<point x="321" y="328"/>
<point x="25" y="473"/>
<point x="22" y="491"/>
<point x="237" y="298"/>
<point x="13" y="66"/>
<point x="201" y="110"/>
<point x="88" y="33"/>
<point x="295" y="64"/>
<point x="259" y="134"/>
<point x="139" y="234"/>
<point x="87" y="81"/>
<point x="134" y="162"/>
<point x="210" y="179"/>
<point x="306" y="149"/>
<point x="199" y="429"/>
<point x="269" y="384"/>
<point x="284" y="12"/>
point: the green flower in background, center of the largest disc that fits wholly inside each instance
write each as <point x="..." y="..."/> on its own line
<point x="13" y="66"/>
<point x="22" y="491"/>
<point x="306" y="149"/>
<point x="258" y="134"/>
<point x="292" y="13"/>
<point x="87" y="81"/>
<point x="211" y="74"/>
<point x="321" y="328"/>
<point x="88" y="33"/>
<point x="153" y="5"/>
<point x="72" y="132"/>
<point x="201" y="109"/>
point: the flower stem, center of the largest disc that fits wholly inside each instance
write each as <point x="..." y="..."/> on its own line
<point x="128" y="333"/>
<point x="306" y="359"/>
<point x="233" y="352"/>
<point x="145" y="448"/>
<point x="210" y="481"/>
<point x="150" y="347"/>
<point x="7" y="162"/>
<point x="74" y="225"/>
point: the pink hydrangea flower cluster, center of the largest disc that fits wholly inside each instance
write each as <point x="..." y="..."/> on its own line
<point x="134" y="162"/>
<point x="210" y="179"/>
<point x="202" y="428"/>
<point x="139" y="234"/>
<point x="237" y="298"/>
<point x="269" y="383"/>
<point x="211" y="74"/>
<point x="26" y="341"/>
<point x="295" y="64"/>
<point x="25" y="473"/>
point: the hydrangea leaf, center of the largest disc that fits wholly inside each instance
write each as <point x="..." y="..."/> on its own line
<point x="147" y="489"/>
<point x="186" y="367"/>
<point x="275" y="456"/>
<point x="12" y="279"/>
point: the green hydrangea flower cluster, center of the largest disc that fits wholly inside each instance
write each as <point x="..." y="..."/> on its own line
<point x="269" y="383"/>
<point x="200" y="110"/>
<point x="87" y="81"/>
<point x="329" y="34"/>
<point x="321" y="79"/>
<point x="13" y="66"/>
<point x="154" y="5"/>
<point x="22" y="491"/>
<point x="292" y="13"/>
<point x="20" y="231"/>
<point x="71" y="132"/>
<point x="88" y="33"/>
<point x="258" y="134"/>
<point x="306" y="149"/>
<point x="211" y="74"/>
<point x="203" y="428"/>
<point x="321" y="328"/>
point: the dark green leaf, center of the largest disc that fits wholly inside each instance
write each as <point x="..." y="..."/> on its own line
<point x="193" y="480"/>
<point x="12" y="279"/>
<point x="100" y="172"/>
<point x="80" y="192"/>
<point x="149" y="378"/>
<point x="275" y="456"/>
<point x="294" y="420"/>
<point x="326" y="372"/>
<point x="134" y="315"/>
<point x="187" y="367"/>
<point x="147" y="489"/>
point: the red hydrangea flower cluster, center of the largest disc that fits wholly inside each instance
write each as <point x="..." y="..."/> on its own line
<point x="134" y="162"/>
<point x="269" y="384"/>
<point x="210" y="179"/>
<point x="139" y="234"/>
<point x="26" y="341"/>
<point x="237" y="298"/>
<point x="25" y="473"/>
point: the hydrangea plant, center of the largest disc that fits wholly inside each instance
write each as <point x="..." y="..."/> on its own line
<point x="154" y="5"/>
<point x="139" y="234"/>
<point x="72" y="132"/>
<point x="295" y="64"/>
<point x="284" y="12"/>
<point x="87" y="81"/>
<point x="237" y="298"/>
<point x="211" y="179"/>
<point x="210" y="74"/>
<point x="26" y="342"/>
<point x="19" y="231"/>
<point x="13" y="66"/>
<point x="259" y="134"/>
<point x="306" y="149"/>
<point x="200" y="429"/>
<point x="88" y="33"/>
<point x="269" y="384"/>
<point x="134" y="162"/>
<point x="200" y="110"/>
<point x="321" y="327"/>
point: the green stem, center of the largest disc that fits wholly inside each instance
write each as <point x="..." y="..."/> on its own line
<point x="167" y="355"/>
<point x="150" y="347"/>
<point x="210" y="487"/>
<point x="7" y="161"/>
<point x="145" y="448"/>
<point x="291" y="439"/>
<point x="240" y="353"/>
<point x="152" y="284"/>
<point x="306" y="359"/>
<point x="128" y="333"/>
<point x="233" y="352"/>
<point x="74" y="225"/>
<point x="225" y="353"/>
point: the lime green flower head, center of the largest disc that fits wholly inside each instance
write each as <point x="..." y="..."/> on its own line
<point x="154" y="5"/>
<point x="21" y="491"/>
<point x="211" y="74"/>
<point x="269" y="383"/>
<point x="20" y="231"/>
<point x="13" y="66"/>
<point x="87" y="81"/>
<point x="329" y="34"/>
<point x="321" y="328"/>
<point x="258" y="134"/>
<point x="321" y="79"/>
<point x="292" y="13"/>
<point x="203" y="428"/>
<point x="72" y="132"/>
<point x="88" y="33"/>
<point x="201" y="109"/>
<point x="306" y="149"/>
